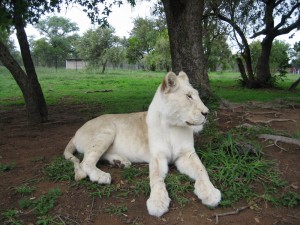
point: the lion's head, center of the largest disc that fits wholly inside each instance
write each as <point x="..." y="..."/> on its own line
<point x="180" y="103"/>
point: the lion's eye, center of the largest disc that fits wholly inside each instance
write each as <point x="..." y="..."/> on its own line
<point x="189" y="96"/>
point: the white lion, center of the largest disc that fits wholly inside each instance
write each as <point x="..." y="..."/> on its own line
<point x="160" y="136"/>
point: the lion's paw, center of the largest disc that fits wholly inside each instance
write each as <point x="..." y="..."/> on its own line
<point x="158" y="203"/>
<point x="80" y="174"/>
<point x="209" y="195"/>
<point x="105" y="179"/>
<point x="100" y="177"/>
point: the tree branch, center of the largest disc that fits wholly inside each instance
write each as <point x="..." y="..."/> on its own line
<point x="291" y="27"/>
<point x="285" y="17"/>
<point x="278" y="2"/>
<point x="282" y="31"/>
<point x="263" y="31"/>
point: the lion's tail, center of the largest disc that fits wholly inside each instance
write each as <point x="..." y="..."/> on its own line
<point x="69" y="155"/>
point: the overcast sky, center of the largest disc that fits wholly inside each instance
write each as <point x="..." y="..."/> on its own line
<point x="121" y="18"/>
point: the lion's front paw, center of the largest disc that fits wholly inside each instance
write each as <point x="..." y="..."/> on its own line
<point x="104" y="179"/>
<point x="158" y="203"/>
<point x="100" y="177"/>
<point x="209" y="195"/>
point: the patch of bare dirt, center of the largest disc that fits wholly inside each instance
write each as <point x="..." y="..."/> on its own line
<point x="31" y="147"/>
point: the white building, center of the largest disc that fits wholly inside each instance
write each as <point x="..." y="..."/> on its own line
<point x="75" y="64"/>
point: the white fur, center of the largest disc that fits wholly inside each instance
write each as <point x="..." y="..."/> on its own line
<point x="160" y="136"/>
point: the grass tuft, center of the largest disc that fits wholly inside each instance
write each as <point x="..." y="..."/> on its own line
<point x="239" y="174"/>
<point x="46" y="202"/>
<point x="116" y="210"/>
<point x="60" y="169"/>
<point x="42" y="204"/>
<point x="178" y="185"/>
<point x="6" y="167"/>
<point x="10" y="217"/>
<point x="25" y="189"/>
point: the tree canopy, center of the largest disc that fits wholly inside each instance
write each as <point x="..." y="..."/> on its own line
<point x="56" y="45"/>
<point x="98" y="46"/>
<point x="251" y="19"/>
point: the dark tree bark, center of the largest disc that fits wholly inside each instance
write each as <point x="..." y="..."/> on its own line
<point x="29" y="93"/>
<point x="271" y="32"/>
<point x="27" y="80"/>
<point x="242" y="70"/>
<point x="294" y="85"/>
<point x="263" y="63"/>
<point x="104" y="66"/>
<point x="184" y="20"/>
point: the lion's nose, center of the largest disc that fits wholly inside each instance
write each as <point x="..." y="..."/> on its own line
<point x="204" y="113"/>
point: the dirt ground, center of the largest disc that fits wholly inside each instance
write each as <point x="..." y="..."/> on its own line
<point x="31" y="147"/>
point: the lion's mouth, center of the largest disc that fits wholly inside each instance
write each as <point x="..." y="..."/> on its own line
<point x="192" y="124"/>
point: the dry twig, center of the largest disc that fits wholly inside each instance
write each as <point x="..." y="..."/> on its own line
<point x="217" y="215"/>
<point x="109" y="90"/>
<point x="91" y="209"/>
<point x="73" y="221"/>
<point x="58" y="216"/>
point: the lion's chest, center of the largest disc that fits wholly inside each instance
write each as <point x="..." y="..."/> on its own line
<point x="171" y="141"/>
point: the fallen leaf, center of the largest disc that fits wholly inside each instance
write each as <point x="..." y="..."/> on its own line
<point x="256" y="220"/>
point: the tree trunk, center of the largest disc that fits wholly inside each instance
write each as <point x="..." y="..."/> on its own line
<point x="247" y="57"/>
<point x="28" y="82"/>
<point x="242" y="71"/>
<point x="39" y="112"/>
<point x="263" y="63"/>
<point x="30" y="97"/>
<point x="294" y="85"/>
<point x="104" y="66"/>
<point x="184" y="20"/>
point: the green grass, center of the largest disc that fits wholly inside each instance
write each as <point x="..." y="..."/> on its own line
<point x="238" y="173"/>
<point x="40" y="206"/>
<point x="6" y="167"/>
<point x="131" y="90"/>
<point x="237" y="167"/>
<point x="25" y="189"/>
<point x="43" y="204"/>
<point x="116" y="210"/>
<point x="9" y="217"/>
<point x="59" y="170"/>
<point x="226" y="86"/>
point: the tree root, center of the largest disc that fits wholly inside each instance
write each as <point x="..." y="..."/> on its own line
<point x="269" y="120"/>
<point x="276" y="114"/>
<point x="277" y="138"/>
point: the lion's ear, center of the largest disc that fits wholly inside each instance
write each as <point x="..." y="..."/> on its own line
<point x="169" y="83"/>
<point x="182" y="75"/>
